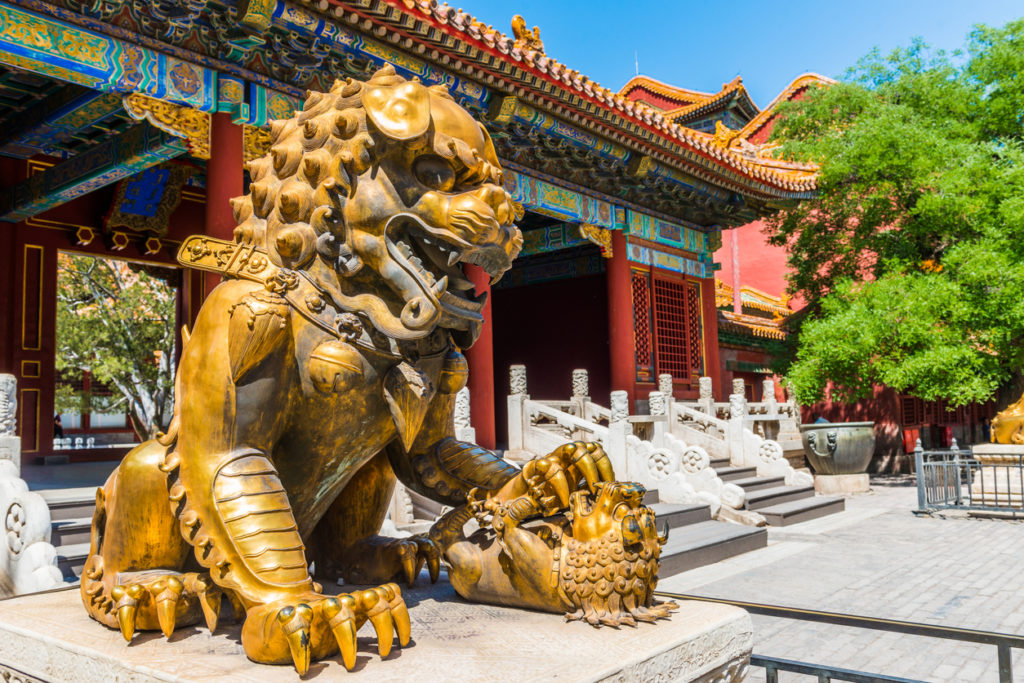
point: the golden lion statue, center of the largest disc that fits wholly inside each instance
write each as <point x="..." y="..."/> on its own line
<point x="323" y="366"/>
<point x="1008" y="425"/>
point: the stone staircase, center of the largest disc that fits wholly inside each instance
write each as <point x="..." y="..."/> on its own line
<point x="695" y="539"/>
<point x="70" y="519"/>
<point x="769" y="496"/>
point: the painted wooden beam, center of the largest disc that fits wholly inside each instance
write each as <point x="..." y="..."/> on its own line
<point x="130" y="152"/>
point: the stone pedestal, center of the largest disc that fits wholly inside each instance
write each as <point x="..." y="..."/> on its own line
<point x="841" y="484"/>
<point x="1000" y="483"/>
<point x="48" y="636"/>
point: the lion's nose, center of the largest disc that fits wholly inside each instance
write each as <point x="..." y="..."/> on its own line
<point x="498" y="200"/>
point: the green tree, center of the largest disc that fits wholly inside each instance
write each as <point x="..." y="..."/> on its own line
<point x="116" y="321"/>
<point x="911" y="256"/>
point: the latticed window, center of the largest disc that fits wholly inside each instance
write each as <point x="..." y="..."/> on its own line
<point x="694" y="333"/>
<point x="670" y="327"/>
<point x="640" y="284"/>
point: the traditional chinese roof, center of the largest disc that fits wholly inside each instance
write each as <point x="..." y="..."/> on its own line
<point x="749" y="325"/>
<point x="547" y="120"/>
<point x="690" y="107"/>
<point x="461" y="42"/>
<point x="752" y="322"/>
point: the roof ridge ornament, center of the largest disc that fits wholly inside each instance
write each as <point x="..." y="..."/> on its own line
<point x="526" y="39"/>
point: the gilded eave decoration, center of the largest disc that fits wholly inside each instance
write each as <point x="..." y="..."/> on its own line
<point x="183" y="122"/>
<point x="599" y="236"/>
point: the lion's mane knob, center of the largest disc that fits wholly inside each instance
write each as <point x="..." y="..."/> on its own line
<point x="335" y="367"/>
<point x="454" y="373"/>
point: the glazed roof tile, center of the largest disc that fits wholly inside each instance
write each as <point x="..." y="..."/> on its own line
<point x="495" y="58"/>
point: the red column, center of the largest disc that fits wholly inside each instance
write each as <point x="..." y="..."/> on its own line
<point x="709" y="313"/>
<point x="481" y="366"/>
<point x="223" y="181"/>
<point x="622" y="354"/>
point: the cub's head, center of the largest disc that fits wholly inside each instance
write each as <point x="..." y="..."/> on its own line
<point x="382" y="191"/>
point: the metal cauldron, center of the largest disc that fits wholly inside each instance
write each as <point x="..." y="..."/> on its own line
<point x="839" y="447"/>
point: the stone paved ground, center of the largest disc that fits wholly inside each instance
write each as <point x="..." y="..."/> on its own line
<point x="878" y="559"/>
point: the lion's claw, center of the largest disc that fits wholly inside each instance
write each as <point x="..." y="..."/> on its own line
<point x="381" y="558"/>
<point x="314" y="626"/>
<point x="548" y="482"/>
<point x="164" y="600"/>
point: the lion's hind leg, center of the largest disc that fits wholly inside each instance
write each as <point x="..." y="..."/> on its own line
<point x="134" y="576"/>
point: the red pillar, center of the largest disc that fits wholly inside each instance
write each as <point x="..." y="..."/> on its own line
<point x="224" y="180"/>
<point x="709" y="313"/>
<point x="622" y="354"/>
<point x="481" y="366"/>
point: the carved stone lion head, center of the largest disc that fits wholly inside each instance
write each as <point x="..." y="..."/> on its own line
<point x="381" y="191"/>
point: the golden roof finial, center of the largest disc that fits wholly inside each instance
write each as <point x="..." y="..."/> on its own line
<point x="525" y="38"/>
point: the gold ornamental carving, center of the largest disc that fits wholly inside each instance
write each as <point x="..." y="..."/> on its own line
<point x="599" y="236"/>
<point x="256" y="142"/>
<point x="526" y="39"/>
<point x="180" y="121"/>
<point x="331" y="356"/>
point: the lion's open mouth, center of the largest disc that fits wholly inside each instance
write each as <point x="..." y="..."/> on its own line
<point x="435" y="259"/>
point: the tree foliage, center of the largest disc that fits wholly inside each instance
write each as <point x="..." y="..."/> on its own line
<point x="117" y="322"/>
<point x="911" y="257"/>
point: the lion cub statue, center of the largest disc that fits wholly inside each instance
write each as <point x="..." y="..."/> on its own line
<point x="324" y="366"/>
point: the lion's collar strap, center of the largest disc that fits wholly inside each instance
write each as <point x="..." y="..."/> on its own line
<point x="248" y="262"/>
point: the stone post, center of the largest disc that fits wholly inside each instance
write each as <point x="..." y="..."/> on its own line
<point x="580" y="392"/>
<point x="666" y="388"/>
<point x="516" y="407"/>
<point x="707" y="397"/>
<point x="619" y="429"/>
<point x="768" y="397"/>
<point x="10" y="443"/>
<point x="659" y="405"/>
<point x="463" y="425"/>
<point x="737" y="415"/>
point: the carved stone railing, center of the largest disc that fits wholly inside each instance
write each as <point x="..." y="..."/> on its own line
<point x="746" y="433"/>
<point x="641" y="447"/>
<point x="27" y="558"/>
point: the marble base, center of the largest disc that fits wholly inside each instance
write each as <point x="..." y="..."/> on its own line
<point x="1000" y="483"/>
<point x="841" y="484"/>
<point x="48" y="636"/>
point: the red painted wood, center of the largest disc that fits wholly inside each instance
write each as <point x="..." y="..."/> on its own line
<point x="481" y="366"/>
<point x="224" y="180"/>
<point x="709" y="314"/>
<point x="620" y="320"/>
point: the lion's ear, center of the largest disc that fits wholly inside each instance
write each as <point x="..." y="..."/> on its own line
<point x="402" y="112"/>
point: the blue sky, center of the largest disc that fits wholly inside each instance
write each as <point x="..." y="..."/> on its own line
<point x="701" y="45"/>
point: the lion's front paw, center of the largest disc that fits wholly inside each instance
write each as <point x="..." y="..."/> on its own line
<point x="315" y="626"/>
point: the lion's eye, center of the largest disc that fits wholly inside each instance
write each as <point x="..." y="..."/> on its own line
<point x="434" y="172"/>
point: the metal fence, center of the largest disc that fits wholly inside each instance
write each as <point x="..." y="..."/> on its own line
<point x="956" y="480"/>
<point x="1003" y="642"/>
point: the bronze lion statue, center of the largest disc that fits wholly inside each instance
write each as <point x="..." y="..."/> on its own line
<point x="324" y="366"/>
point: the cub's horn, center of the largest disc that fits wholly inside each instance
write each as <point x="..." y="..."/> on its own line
<point x="662" y="540"/>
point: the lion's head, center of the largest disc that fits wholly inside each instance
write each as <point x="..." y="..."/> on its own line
<point x="387" y="181"/>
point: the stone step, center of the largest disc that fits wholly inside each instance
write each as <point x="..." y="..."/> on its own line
<point x="803" y="510"/>
<point x="73" y="503"/>
<point x="703" y="543"/>
<point x="719" y="463"/>
<point x="70" y="531"/>
<point x="779" y="494"/>
<point x="729" y="473"/>
<point x="757" y="483"/>
<point x="71" y="559"/>
<point x="679" y="514"/>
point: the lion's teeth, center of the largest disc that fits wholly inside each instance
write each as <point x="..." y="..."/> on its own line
<point x="453" y="258"/>
<point x="441" y="285"/>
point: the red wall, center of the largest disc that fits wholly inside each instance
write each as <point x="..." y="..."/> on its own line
<point x="760" y="265"/>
